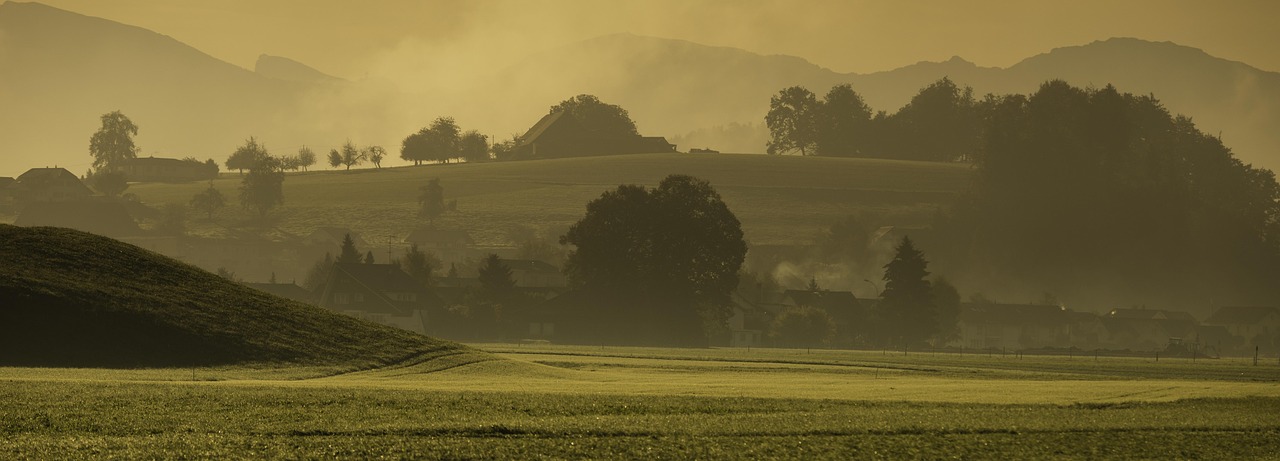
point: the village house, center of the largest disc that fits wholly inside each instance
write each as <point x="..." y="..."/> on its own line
<point x="6" y="188"/>
<point x="849" y="316"/>
<point x="530" y="273"/>
<point x="1253" y="324"/>
<point x="1148" y="329"/>
<point x="155" y="169"/>
<point x="40" y="185"/>
<point x="379" y="293"/>
<point x="1012" y="326"/>
<point x="558" y="136"/>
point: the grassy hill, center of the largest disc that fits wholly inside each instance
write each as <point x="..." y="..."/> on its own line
<point x="780" y="200"/>
<point x="76" y="299"/>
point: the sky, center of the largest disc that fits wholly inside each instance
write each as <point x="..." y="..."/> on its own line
<point x="344" y="37"/>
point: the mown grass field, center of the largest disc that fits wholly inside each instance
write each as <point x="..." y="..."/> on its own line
<point x="779" y="199"/>
<point x="611" y="403"/>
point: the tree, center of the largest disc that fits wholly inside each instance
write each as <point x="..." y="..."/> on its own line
<point x="473" y="146"/>
<point x="441" y="142"/>
<point x="248" y="156"/>
<point x="263" y="188"/>
<point x="414" y="147"/>
<point x="665" y="259"/>
<point x="208" y="201"/>
<point x="349" y="253"/>
<point x="375" y="154"/>
<point x="109" y="183"/>
<point x="802" y="326"/>
<point x="348" y="156"/>
<point x="596" y="118"/>
<point x="940" y="123"/>
<point x="907" y="311"/>
<point x="792" y="121"/>
<point x="173" y="220"/>
<point x="947" y="299"/>
<point x="306" y="157"/>
<point x="506" y="150"/>
<point x="420" y="265"/>
<point x="431" y="200"/>
<point x="496" y="282"/>
<point x="335" y="158"/>
<point x="368" y="257"/>
<point x="318" y="275"/>
<point x="844" y="122"/>
<point x="113" y="142"/>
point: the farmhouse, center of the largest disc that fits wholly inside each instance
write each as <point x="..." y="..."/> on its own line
<point x="49" y="185"/>
<point x="6" y="187"/>
<point x="155" y="169"/>
<point x="379" y="293"/>
<point x="530" y="273"/>
<point x="557" y="136"/>
<point x="1013" y="326"/>
<point x="1247" y="322"/>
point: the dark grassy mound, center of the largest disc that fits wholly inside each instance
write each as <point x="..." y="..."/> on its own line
<point x="69" y="298"/>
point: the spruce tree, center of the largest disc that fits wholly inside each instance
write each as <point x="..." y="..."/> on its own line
<point x="349" y="253"/>
<point x="907" y="312"/>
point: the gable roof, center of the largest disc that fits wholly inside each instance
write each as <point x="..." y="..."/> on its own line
<point x="1240" y="315"/>
<point x="378" y="280"/>
<point x="539" y="128"/>
<point x="44" y="178"/>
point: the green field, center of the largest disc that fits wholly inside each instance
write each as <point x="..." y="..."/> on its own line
<point x="779" y="199"/>
<point x="592" y="402"/>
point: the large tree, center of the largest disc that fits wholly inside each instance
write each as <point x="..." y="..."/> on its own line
<point x="664" y="260"/>
<point x="941" y="123"/>
<point x="306" y="157"/>
<point x="792" y="122"/>
<point x="474" y="146"/>
<point x="113" y="142"/>
<point x="348" y="156"/>
<point x="348" y="252"/>
<point x="420" y="264"/>
<point x="596" y="118"/>
<point x="844" y="123"/>
<point x="431" y="200"/>
<point x="248" y="156"/>
<point x="263" y="188"/>
<point x="497" y="285"/>
<point x="208" y="201"/>
<point x="907" y="312"/>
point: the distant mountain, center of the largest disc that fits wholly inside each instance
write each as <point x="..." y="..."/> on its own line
<point x="77" y="299"/>
<point x="673" y="87"/>
<point x="286" y="69"/>
<point x="60" y="71"/>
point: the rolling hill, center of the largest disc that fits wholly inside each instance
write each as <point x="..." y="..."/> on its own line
<point x="59" y="71"/>
<point x="80" y="300"/>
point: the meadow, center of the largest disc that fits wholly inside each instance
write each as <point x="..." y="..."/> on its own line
<point x="779" y="199"/>
<point x="548" y="401"/>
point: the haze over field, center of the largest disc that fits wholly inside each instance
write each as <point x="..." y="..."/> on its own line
<point x="182" y="70"/>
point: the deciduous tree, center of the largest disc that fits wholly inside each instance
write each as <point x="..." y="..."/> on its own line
<point x="113" y="142"/>
<point x="792" y="122"/>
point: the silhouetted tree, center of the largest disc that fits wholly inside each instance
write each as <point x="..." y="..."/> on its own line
<point x="368" y="257"/>
<point x="306" y="157"/>
<point x="248" y="156"/>
<point x="907" y="311"/>
<point x="348" y="253"/>
<point x="431" y="200"/>
<point x="419" y="265"/>
<point x="441" y="141"/>
<point x="349" y="156"/>
<point x="844" y="123"/>
<point x="109" y="183"/>
<point x="474" y="146"/>
<point x="208" y="201"/>
<point x="596" y="118"/>
<point x="375" y="154"/>
<point x="496" y="282"/>
<point x="173" y="220"/>
<point x="792" y="121"/>
<point x="335" y="158"/>
<point x="263" y="188"/>
<point x="506" y="150"/>
<point x="414" y="147"/>
<point x="941" y="123"/>
<point x="666" y="259"/>
<point x="113" y="142"/>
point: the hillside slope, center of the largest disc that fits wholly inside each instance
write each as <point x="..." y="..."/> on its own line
<point x="76" y="299"/>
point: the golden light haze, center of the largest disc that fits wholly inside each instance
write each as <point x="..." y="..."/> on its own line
<point x="345" y="37"/>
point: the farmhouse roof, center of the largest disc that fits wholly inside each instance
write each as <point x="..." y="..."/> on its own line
<point x="379" y="280"/>
<point x="43" y="178"/>
<point x="6" y="181"/>
<point x="541" y="127"/>
<point x="1240" y="315"/>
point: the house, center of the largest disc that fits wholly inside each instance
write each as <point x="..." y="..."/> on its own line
<point x="849" y="315"/>
<point x="1247" y="322"/>
<point x="557" y="135"/>
<point x="379" y="293"/>
<point x="530" y="273"/>
<point x="97" y="215"/>
<point x="1148" y="329"/>
<point x="1012" y="326"/>
<point x="448" y="245"/>
<point x="154" y="169"/>
<point x="749" y="322"/>
<point x="6" y="187"/>
<point x="49" y="185"/>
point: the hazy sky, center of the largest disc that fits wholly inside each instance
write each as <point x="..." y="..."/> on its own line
<point x="342" y="36"/>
